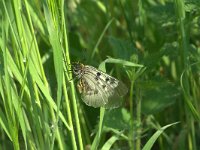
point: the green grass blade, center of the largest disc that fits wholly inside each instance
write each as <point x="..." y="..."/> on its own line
<point x="155" y="136"/>
<point x="110" y="142"/>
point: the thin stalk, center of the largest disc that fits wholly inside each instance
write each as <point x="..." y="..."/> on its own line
<point x="100" y="38"/>
<point x="72" y="90"/>
<point x="69" y="116"/>
<point x="128" y="22"/>
<point x="96" y="141"/>
<point x="131" y="135"/>
<point x="85" y="128"/>
<point x="138" y="115"/>
<point x="36" y="46"/>
<point x="74" y="104"/>
<point x="183" y="50"/>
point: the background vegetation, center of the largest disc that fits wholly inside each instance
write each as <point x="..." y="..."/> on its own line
<point x="152" y="46"/>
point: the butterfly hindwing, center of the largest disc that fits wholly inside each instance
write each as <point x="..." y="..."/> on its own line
<point x="117" y="98"/>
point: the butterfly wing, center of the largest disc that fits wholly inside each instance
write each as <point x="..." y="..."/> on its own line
<point x="91" y="94"/>
<point x="99" y="89"/>
<point x="116" y="99"/>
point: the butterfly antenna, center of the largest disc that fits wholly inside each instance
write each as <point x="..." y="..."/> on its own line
<point x="64" y="58"/>
<point x="67" y="66"/>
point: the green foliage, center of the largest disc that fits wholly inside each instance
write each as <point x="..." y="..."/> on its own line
<point x="158" y="95"/>
<point x="152" y="46"/>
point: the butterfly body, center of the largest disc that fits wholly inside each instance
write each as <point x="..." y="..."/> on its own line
<point x="97" y="88"/>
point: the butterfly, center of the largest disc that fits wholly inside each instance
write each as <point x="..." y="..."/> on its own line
<point x="97" y="88"/>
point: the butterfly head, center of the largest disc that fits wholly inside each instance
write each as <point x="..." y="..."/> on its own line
<point x="77" y="69"/>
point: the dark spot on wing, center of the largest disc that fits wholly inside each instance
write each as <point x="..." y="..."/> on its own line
<point x="96" y="92"/>
<point x="112" y="81"/>
<point x="107" y="79"/>
<point x="97" y="76"/>
<point x="89" y="93"/>
<point x="92" y="92"/>
<point x="104" y="86"/>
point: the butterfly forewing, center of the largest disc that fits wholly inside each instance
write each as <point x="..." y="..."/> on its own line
<point x="94" y="96"/>
<point x="100" y="89"/>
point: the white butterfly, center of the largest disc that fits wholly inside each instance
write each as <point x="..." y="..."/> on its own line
<point x="97" y="88"/>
